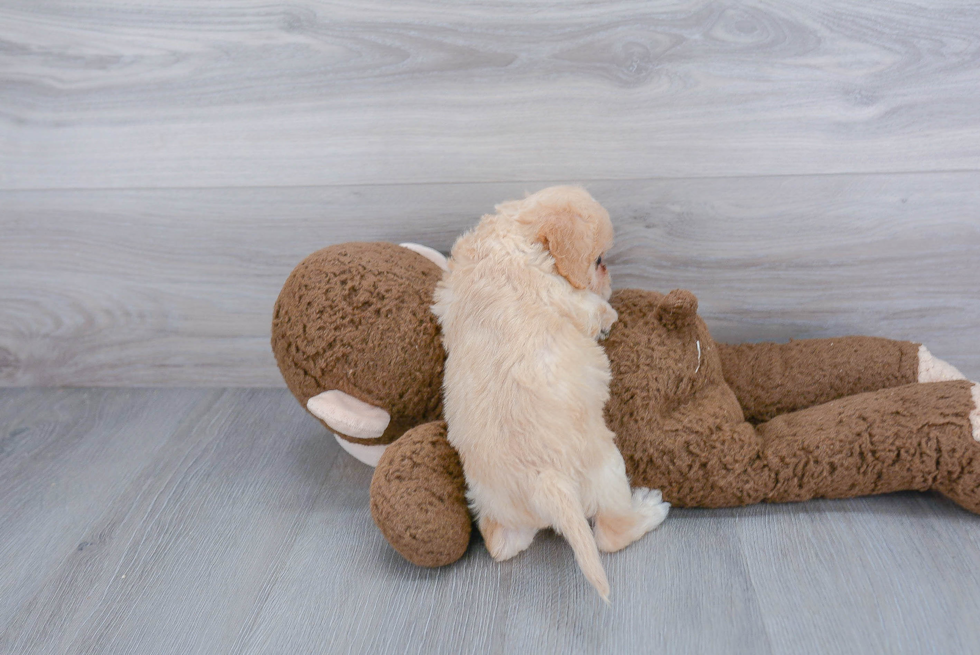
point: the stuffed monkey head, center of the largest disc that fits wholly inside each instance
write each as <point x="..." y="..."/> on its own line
<point x="357" y="344"/>
<point x="359" y="347"/>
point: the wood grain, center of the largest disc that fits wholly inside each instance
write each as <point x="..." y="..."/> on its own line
<point x="67" y="455"/>
<point x="858" y="575"/>
<point x="175" y="287"/>
<point x="104" y="94"/>
<point x="177" y="532"/>
<point x="227" y="521"/>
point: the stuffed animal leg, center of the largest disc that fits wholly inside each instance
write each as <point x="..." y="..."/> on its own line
<point x="877" y="432"/>
<point x="913" y="437"/>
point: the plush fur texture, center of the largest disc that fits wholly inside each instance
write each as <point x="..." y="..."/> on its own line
<point x="762" y="422"/>
<point x="975" y="414"/>
<point x="526" y="382"/>
<point x="837" y="417"/>
<point x="430" y="525"/>
<point x="772" y="379"/>
<point x="355" y="298"/>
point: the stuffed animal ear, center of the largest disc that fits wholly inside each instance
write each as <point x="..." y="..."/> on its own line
<point x="363" y="453"/>
<point x="348" y="415"/>
<point x="431" y="254"/>
<point x="677" y="309"/>
<point x="570" y="240"/>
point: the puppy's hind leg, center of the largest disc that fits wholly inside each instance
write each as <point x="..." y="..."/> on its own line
<point x="623" y="517"/>
<point x="505" y="542"/>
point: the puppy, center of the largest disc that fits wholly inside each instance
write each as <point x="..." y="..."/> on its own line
<point x="521" y="307"/>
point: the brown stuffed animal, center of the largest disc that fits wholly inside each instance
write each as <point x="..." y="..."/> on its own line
<point x="710" y="425"/>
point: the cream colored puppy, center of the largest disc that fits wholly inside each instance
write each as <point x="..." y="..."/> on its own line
<point x="521" y="307"/>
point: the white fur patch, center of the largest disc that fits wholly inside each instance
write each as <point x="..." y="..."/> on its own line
<point x="348" y="415"/>
<point x="431" y="254"/>
<point x="367" y="454"/>
<point x="933" y="369"/>
<point x="649" y="504"/>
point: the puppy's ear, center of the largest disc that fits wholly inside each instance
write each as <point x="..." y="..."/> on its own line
<point x="570" y="239"/>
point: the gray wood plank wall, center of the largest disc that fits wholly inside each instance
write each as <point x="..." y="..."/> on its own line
<point x="808" y="169"/>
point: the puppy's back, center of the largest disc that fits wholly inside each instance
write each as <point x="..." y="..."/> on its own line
<point x="520" y="380"/>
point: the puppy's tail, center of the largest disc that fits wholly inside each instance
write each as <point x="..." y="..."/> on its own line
<point x="557" y="499"/>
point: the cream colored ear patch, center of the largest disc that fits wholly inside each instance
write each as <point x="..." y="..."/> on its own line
<point x="348" y="415"/>
<point x="431" y="254"/>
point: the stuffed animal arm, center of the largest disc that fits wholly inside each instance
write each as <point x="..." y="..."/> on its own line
<point x="772" y="379"/>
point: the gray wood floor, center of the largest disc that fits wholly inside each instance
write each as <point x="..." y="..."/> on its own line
<point x="226" y="521"/>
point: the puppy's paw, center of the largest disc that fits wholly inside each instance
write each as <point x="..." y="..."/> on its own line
<point x="649" y="504"/>
<point x="607" y="316"/>
<point x="647" y="511"/>
<point x="503" y="542"/>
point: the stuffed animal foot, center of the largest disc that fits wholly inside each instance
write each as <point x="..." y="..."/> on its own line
<point x="915" y="437"/>
<point x="613" y="533"/>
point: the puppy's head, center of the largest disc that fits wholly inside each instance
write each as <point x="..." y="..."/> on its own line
<point x="575" y="229"/>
